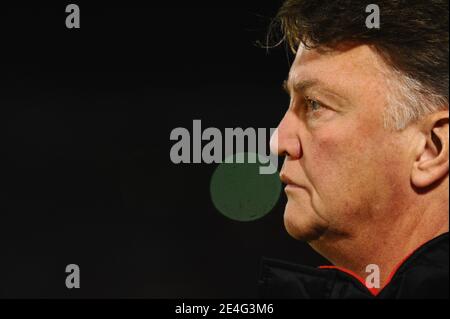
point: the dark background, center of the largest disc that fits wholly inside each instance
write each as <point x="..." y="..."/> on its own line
<point x="86" y="177"/>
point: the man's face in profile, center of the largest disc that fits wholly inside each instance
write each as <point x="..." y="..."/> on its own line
<point x="343" y="168"/>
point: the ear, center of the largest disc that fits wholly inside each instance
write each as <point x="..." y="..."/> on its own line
<point x="432" y="153"/>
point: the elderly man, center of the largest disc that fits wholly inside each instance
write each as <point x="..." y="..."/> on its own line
<point x="365" y="140"/>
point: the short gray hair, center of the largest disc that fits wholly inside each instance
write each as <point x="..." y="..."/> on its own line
<point x="408" y="100"/>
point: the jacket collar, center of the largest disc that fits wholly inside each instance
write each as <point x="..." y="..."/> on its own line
<point x="279" y="279"/>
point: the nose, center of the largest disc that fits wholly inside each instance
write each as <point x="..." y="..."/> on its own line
<point x="285" y="141"/>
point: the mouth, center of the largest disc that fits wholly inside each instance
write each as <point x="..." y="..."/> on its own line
<point x="290" y="184"/>
<point x="293" y="186"/>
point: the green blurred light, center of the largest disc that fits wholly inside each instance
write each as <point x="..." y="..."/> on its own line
<point x="241" y="193"/>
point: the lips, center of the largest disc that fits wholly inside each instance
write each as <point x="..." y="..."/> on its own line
<point x="293" y="186"/>
<point x="289" y="182"/>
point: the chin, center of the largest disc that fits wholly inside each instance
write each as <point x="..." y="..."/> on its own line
<point x="303" y="224"/>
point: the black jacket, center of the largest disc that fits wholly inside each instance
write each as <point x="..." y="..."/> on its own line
<point x="423" y="274"/>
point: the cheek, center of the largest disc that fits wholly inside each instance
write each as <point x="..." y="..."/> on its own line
<point x="332" y="152"/>
<point x="340" y="163"/>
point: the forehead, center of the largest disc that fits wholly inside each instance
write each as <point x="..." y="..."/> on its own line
<point x="352" y="71"/>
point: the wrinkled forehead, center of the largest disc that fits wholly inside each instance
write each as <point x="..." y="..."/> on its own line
<point x="346" y="68"/>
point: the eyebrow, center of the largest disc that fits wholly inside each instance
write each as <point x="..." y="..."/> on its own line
<point x="301" y="85"/>
<point x="306" y="84"/>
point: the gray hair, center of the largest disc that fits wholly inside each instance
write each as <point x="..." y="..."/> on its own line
<point x="408" y="100"/>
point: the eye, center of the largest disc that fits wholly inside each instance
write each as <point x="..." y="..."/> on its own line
<point x="312" y="105"/>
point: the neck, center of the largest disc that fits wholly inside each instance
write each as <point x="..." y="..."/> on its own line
<point x="385" y="242"/>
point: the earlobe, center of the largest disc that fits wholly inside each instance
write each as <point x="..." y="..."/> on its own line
<point x="432" y="163"/>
